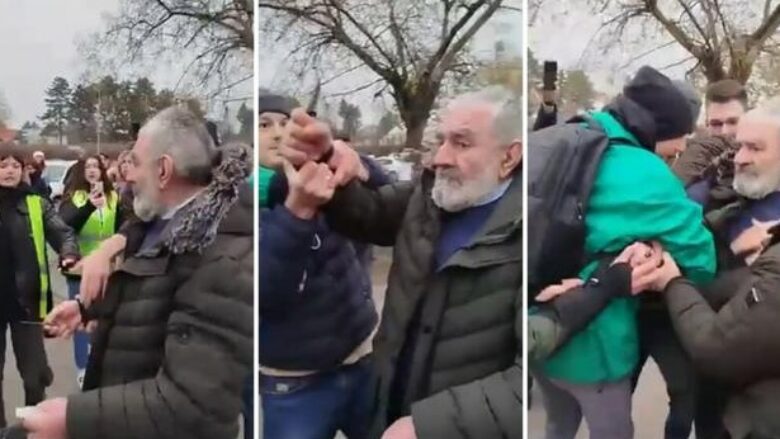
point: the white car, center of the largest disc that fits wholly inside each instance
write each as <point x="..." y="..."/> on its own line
<point x="397" y="170"/>
<point x="54" y="174"/>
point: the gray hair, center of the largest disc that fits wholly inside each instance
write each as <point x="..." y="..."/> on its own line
<point x="508" y="122"/>
<point x="178" y="133"/>
<point x="770" y="107"/>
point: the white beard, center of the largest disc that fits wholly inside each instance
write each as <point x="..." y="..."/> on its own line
<point x="757" y="186"/>
<point x="452" y="194"/>
<point x="145" y="207"/>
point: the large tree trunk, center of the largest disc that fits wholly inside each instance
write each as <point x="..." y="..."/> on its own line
<point x="415" y="109"/>
<point x="741" y="72"/>
<point x="415" y="130"/>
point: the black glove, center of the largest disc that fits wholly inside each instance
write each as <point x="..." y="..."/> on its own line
<point x="576" y="309"/>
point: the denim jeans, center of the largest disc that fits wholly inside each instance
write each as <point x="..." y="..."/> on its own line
<point x="249" y="407"/>
<point x="80" y="338"/>
<point x="317" y="406"/>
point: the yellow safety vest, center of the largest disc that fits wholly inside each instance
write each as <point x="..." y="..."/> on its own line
<point x="35" y="210"/>
<point x="100" y="225"/>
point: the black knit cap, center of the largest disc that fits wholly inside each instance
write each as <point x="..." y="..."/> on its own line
<point x="270" y="103"/>
<point x="663" y="100"/>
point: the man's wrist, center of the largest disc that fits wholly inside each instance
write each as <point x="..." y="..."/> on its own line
<point x="300" y="210"/>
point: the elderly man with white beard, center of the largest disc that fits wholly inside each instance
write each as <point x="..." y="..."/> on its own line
<point x="448" y="350"/>
<point x="730" y="328"/>
<point x="173" y="339"/>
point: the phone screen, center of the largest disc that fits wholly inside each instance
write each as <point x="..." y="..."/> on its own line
<point x="550" y="75"/>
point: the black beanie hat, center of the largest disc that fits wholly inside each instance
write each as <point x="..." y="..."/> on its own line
<point x="693" y="98"/>
<point x="663" y="100"/>
<point x="275" y="104"/>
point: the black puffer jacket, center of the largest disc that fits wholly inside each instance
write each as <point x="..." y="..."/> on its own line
<point x="16" y="217"/>
<point x="465" y="377"/>
<point x="174" y="341"/>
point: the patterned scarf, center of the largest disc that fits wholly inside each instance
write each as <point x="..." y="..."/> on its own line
<point x="194" y="226"/>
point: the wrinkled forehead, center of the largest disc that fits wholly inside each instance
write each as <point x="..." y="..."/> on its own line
<point x="141" y="149"/>
<point x="475" y="117"/>
<point x="759" y="127"/>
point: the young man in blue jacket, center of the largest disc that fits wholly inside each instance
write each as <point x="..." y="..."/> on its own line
<point x="317" y="314"/>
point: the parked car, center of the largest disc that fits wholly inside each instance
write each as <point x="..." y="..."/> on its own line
<point x="397" y="170"/>
<point x="54" y="174"/>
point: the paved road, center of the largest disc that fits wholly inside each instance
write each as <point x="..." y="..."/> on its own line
<point x="649" y="411"/>
<point x="60" y="353"/>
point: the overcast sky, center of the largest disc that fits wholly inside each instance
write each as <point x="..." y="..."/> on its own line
<point x="566" y="32"/>
<point x="39" y="40"/>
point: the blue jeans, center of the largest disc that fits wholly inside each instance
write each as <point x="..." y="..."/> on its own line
<point x="317" y="406"/>
<point x="80" y="338"/>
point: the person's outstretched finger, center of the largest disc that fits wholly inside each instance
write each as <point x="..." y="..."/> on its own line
<point x="301" y="117"/>
<point x="293" y="152"/>
<point x="289" y="170"/>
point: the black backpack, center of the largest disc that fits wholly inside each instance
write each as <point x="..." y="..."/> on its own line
<point x="562" y="165"/>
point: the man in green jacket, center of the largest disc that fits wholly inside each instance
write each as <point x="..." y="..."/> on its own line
<point x="635" y="198"/>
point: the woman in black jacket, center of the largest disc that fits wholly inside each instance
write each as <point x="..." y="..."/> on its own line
<point x="93" y="209"/>
<point x="27" y="222"/>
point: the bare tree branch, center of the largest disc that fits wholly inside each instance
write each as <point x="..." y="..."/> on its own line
<point x="726" y="31"/>
<point x="338" y="33"/>
<point x="646" y="53"/>
<point x="410" y="46"/>
<point x="356" y="89"/>
<point x="213" y="32"/>
<point x="343" y="11"/>
<point x="447" y="53"/>
<point x="767" y="28"/>
<point x="677" y="63"/>
<point x="671" y="27"/>
<point x="705" y="37"/>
